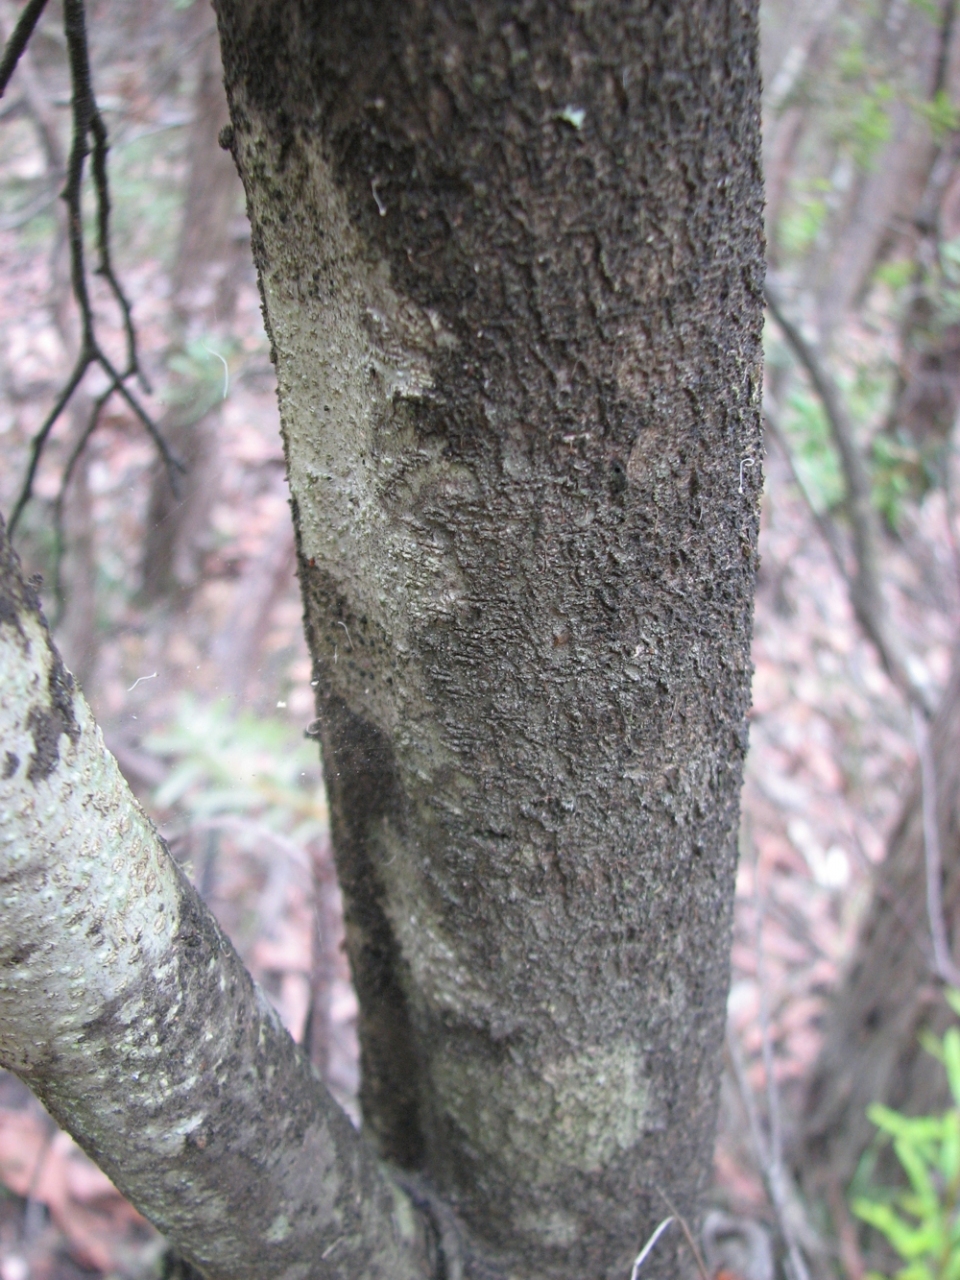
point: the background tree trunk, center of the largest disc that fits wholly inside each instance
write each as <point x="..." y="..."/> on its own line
<point x="511" y="263"/>
<point x="204" y="285"/>
<point x="871" y="1051"/>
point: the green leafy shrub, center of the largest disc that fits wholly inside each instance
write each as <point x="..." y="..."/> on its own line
<point x="245" y="765"/>
<point x="921" y="1221"/>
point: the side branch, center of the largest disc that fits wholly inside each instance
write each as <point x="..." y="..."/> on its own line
<point x="19" y="40"/>
<point x="866" y="595"/>
<point x="866" y="588"/>
<point x="89" y="138"/>
<point x="131" y="1016"/>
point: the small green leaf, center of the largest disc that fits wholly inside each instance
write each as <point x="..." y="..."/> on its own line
<point x="931" y="1044"/>
<point x="951" y="1060"/>
<point x="950" y="1148"/>
<point x="916" y="1170"/>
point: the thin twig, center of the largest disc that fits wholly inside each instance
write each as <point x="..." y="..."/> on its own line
<point x="825" y="526"/>
<point x="648" y="1248"/>
<point x="36" y="107"/>
<point x="170" y="461"/>
<point x="58" y="538"/>
<point x="88" y="128"/>
<point x="866" y="595"/>
<point x="688" y="1235"/>
<point x="943" y="961"/>
<point x="19" y="40"/>
<point x="40" y="439"/>
<point x="866" y="592"/>
<point x="774" y="1177"/>
<point x="98" y="167"/>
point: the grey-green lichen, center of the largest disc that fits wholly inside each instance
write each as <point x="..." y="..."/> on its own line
<point x="547" y="1119"/>
<point x="129" y="1013"/>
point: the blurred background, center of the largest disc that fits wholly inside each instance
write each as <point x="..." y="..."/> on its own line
<point x="181" y="616"/>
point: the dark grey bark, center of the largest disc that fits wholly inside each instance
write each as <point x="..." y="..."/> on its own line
<point x="511" y="262"/>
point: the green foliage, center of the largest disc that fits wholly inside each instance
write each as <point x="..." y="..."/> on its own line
<point x="145" y="198"/>
<point x="900" y="475"/>
<point x="800" y="225"/>
<point x="895" y="274"/>
<point x="870" y="126"/>
<point x="199" y="376"/>
<point x="814" y="456"/>
<point x="921" y="1221"/>
<point x="942" y="114"/>
<point x="255" y="767"/>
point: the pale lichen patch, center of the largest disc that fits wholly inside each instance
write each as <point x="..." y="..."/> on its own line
<point x="575" y="1113"/>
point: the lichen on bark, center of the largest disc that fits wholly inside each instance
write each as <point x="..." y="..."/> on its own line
<point x="130" y="1015"/>
<point x="511" y="261"/>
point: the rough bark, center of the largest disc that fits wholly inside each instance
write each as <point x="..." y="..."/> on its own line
<point x="129" y="1014"/>
<point x="511" y="264"/>
<point x="871" y="1051"/>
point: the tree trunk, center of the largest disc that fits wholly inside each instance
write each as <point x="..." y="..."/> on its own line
<point x="511" y="262"/>
<point x="871" y="1051"/>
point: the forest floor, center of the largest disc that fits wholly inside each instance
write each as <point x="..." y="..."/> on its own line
<point x="205" y="696"/>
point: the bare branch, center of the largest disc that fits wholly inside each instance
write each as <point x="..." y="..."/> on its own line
<point x="825" y="526"/>
<point x="866" y="591"/>
<point x="58" y="539"/>
<point x="172" y="464"/>
<point x="142" y="1033"/>
<point x="98" y="166"/>
<point x="18" y="41"/>
<point x="688" y="1236"/>
<point x="40" y="439"/>
<point x="88" y="126"/>
<point x="943" y="962"/>
<point x="866" y="594"/>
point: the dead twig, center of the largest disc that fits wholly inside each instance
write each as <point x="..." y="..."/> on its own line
<point x="866" y="590"/>
<point x="795" y="1229"/>
<point x="688" y="1235"/>
<point x="866" y="595"/>
<point x="19" y="41"/>
<point x="943" y="961"/>
<point x="649" y="1247"/>
<point x="89" y="138"/>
